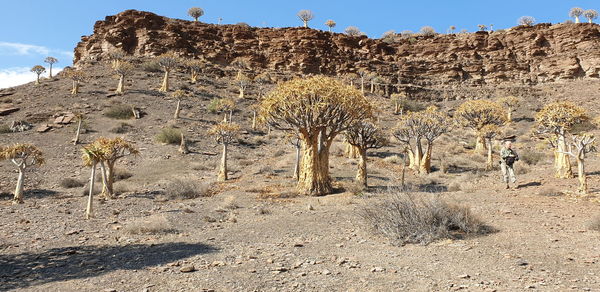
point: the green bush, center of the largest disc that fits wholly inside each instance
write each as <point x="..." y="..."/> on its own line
<point x="169" y="136"/>
<point x="5" y="129"/>
<point x="213" y="106"/>
<point x="119" y="112"/>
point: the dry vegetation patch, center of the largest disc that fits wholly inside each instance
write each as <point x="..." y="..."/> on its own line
<point x="405" y="218"/>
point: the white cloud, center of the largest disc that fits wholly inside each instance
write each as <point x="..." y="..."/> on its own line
<point x="11" y="49"/>
<point x="19" y="75"/>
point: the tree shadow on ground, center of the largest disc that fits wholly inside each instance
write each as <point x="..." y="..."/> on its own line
<point x="530" y="184"/>
<point x="30" y="194"/>
<point x="79" y="262"/>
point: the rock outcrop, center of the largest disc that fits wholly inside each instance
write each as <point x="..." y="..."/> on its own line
<point x="519" y="56"/>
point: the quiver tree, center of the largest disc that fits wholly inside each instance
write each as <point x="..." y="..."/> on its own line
<point x="254" y="108"/>
<point x="305" y="16"/>
<point x="111" y="151"/>
<point x="398" y="102"/>
<point x="318" y="108"/>
<point x="557" y="119"/>
<point x="51" y="61"/>
<point x="79" y="117"/>
<point x="350" y="151"/>
<point x="526" y="20"/>
<point x="489" y="132"/>
<point x="364" y="136"/>
<point x="227" y="105"/>
<point x="510" y="103"/>
<point x="22" y="156"/>
<point x="374" y="79"/>
<point x="353" y="31"/>
<point x="330" y="24"/>
<point x="195" y="67"/>
<point x="578" y="147"/>
<point x="38" y="70"/>
<point x="224" y="133"/>
<point x="167" y="62"/>
<point x="243" y="82"/>
<point x="123" y="69"/>
<point x="477" y="114"/>
<point x="91" y="156"/>
<point x="195" y="12"/>
<point x="115" y="56"/>
<point x="179" y="95"/>
<point x="77" y="76"/>
<point x="576" y="13"/>
<point x="364" y="76"/>
<point x="590" y="14"/>
<point x="263" y="82"/>
<point x="415" y="128"/>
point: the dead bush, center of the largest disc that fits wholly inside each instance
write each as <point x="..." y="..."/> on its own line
<point x="187" y="189"/>
<point x="532" y="157"/>
<point x="405" y="218"/>
<point x="150" y="225"/>
<point x="70" y="183"/>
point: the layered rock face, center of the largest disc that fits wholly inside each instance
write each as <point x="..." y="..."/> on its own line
<point x="519" y="56"/>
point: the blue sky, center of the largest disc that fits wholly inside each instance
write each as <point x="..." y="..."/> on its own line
<point x="32" y="29"/>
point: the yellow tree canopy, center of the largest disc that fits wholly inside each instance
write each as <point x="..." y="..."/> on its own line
<point x="106" y="149"/>
<point x="477" y="114"/>
<point x="319" y="103"/>
<point x="224" y="132"/>
<point x="75" y="75"/>
<point x="180" y="94"/>
<point x="509" y="101"/>
<point x="561" y="116"/>
<point x="124" y="68"/>
<point x="22" y="153"/>
<point x="365" y="135"/>
<point x="38" y="69"/>
<point x="428" y="124"/>
<point x="168" y="61"/>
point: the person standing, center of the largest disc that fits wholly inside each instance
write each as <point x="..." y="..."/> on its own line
<point x="508" y="157"/>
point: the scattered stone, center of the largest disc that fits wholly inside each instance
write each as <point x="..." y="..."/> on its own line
<point x="43" y="128"/>
<point x="377" y="269"/>
<point x="5" y="111"/>
<point x="326" y="272"/>
<point x="465" y="276"/>
<point x="522" y="263"/>
<point x="187" y="269"/>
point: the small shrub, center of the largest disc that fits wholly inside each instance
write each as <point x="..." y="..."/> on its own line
<point x="119" y="112"/>
<point x="122" y="174"/>
<point x="122" y="128"/>
<point x="186" y="189"/>
<point x="413" y="105"/>
<point x="97" y="189"/>
<point x="278" y="153"/>
<point x="594" y="224"/>
<point x="407" y="219"/>
<point x="550" y="192"/>
<point x="395" y="159"/>
<point x="454" y="187"/>
<point x="532" y="158"/>
<point x="151" y="66"/>
<point x="5" y="129"/>
<point x="213" y="106"/>
<point x="169" y="136"/>
<point x="150" y="225"/>
<point x="69" y="183"/>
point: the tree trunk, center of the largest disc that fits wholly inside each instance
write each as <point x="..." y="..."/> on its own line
<point x="372" y="87"/>
<point x="107" y="171"/>
<point x="18" y="198"/>
<point x="183" y="149"/>
<point x="509" y="114"/>
<point x="223" y="169"/>
<point x="351" y="151"/>
<point x="241" y="92"/>
<point x="253" y="120"/>
<point x="177" y="109"/>
<point x="480" y="145"/>
<point x="75" y="87"/>
<point x="583" y="186"/>
<point x="121" y="85"/>
<point x="89" y="209"/>
<point x="37" y="80"/>
<point x="297" y="163"/>
<point x="425" y="166"/>
<point x="362" y="85"/>
<point x="490" y="159"/>
<point x="416" y="156"/>
<point x="230" y="116"/>
<point x="361" y="174"/>
<point x="165" y="84"/>
<point x="76" y="140"/>
<point x="194" y="77"/>
<point x="562" y="163"/>
<point x="577" y="19"/>
<point x="314" y="168"/>
<point x="305" y="23"/>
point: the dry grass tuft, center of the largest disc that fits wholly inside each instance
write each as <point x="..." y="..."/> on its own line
<point x="119" y="112"/>
<point x="187" y="189"/>
<point x="155" y="224"/>
<point x="169" y="136"/>
<point x="70" y="183"/>
<point x="406" y="219"/>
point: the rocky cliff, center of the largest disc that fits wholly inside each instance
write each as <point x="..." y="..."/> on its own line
<point x="519" y="56"/>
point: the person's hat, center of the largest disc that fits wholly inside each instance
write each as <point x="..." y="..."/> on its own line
<point x="509" y="138"/>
